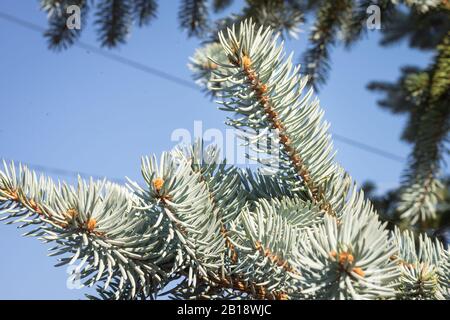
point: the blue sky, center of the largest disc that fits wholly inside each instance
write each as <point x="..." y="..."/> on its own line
<point x="79" y="111"/>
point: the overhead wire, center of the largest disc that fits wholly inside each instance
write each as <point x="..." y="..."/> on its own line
<point x="166" y="76"/>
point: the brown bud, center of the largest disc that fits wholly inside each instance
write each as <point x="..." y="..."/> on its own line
<point x="246" y="62"/>
<point x="91" y="224"/>
<point x="158" y="183"/>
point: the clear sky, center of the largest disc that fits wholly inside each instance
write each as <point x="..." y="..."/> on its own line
<point x="78" y="111"/>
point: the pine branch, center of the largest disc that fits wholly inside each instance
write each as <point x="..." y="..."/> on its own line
<point x="192" y="221"/>
<point x="134" y="251"/>
<point x="265" y="92"/>
<point x="404" y="96"/>
<point x="193" y="16"/>
<point x="283" y="16"/>
<point x="267" y="95"/>
<point x="223" y="186"/>
<point x="114" y="19"/>
<point x="259" y="185"/>
<point x="58" y="35"/>
<point x="144" y="11"/>
<point x="422" y="30"/>
<point x="265" y="243"/>
<point x="94" y="223"/>
<point x="422" y="266"/>
<point x="354" y="23"/>
<point x="330" y="16"/>
<point x="203" y="69"/>
<point x="296" y="228"/>
<point x="226" y="196"/>
<point x="418" y="198"/>
<point x="349" y="259"/>
<point x="197" y="213"/>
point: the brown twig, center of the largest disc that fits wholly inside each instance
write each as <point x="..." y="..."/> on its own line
<point x="273" y="117"/>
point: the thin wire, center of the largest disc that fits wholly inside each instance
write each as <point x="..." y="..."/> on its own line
<point x="69" y="173"/>
<point x="138" y="66"/>
<point x="64" y="172"/>
<point x="169" y="77"/>
<point x="111" y="56"/>
<point x="369" y="148"/>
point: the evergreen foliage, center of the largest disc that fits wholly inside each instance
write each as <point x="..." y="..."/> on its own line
<point x="425" y="94"/>
<point x="296" y="228"/>
<point x="114" y="19"/>
<point x="58" y="35"/>
<point x="144" y="11"/>
<point x="425" y="24"/>
<point x="330" y="16"/>
<point x="193" y="16"/>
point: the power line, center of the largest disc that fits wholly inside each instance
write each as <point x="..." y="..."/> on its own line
<point x="169" y="77"/>
<point x="368" y="148"/>
<point x="138" y="66"/>
<point x="64" y="172"/>
<point x="70" y="173"/>
<point x="111" y="56"/>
